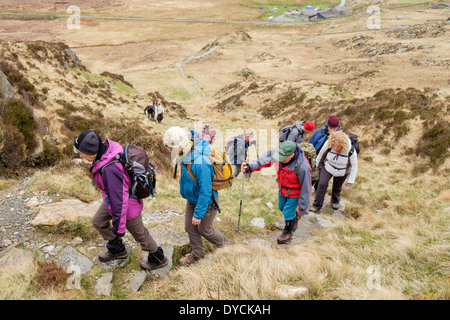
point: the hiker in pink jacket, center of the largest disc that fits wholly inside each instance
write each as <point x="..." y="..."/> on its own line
<point x="119" y="210"/>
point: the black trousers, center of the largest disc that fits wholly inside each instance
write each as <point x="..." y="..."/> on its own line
<point x="324" y="178"/>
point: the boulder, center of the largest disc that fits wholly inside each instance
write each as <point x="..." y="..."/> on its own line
<point x="17" y="259"/>
<point x="6" y="91"/>
<point x="135" y="280"/>
<point x="258" y="222"/>
<point x="165" y="235"/>
<point x="104" y="285"/>
<point x="290" y="292"/>
<point x="70" y="257"/>
<point x="66" y="210"/>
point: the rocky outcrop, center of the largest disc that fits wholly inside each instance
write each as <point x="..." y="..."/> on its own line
<point x="67" y="210"/>
<point x="6" y="91"/>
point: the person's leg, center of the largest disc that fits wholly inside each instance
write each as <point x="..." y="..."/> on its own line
<point x="195" y="237"/>
<point x="207" y="231"/>
<point x="115" y="246"/>
<point x="237" y="170"/>
<point x="102" y="222"/>
<point x="322" y="189"/>
<point x="338" y="182"/>
<point x="141" y="235"/>
<point x="281" y="201"/>
<point x="290" y="217"/>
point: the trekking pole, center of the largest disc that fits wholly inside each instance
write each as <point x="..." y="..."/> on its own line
<point x="240" y="204"/>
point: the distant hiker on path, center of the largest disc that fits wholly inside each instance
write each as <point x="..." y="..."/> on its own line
<point x="150" y="111"/>
<point x="237" y="148"/>
<point x="296" y="132"/>
<point x="337" y="160"/>
<point x="321" y="135"/>
<point x="196" y="179"/>
<point x="119" y="211"/>
<point x="294" y="183"/>
<point x="159" y="109"/>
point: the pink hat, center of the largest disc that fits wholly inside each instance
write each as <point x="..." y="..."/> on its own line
<point x="333" y="121"/>
<point x="309" y="126"/>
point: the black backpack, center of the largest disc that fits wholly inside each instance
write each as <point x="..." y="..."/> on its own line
<point x="355" y="144"/>
<point x="142" y="173"/>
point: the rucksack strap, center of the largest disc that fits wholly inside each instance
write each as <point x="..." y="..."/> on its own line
<point x="216" y="205"/>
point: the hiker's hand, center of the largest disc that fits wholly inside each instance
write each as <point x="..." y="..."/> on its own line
<point x="244" y="167"/>
<point x="196" y="221"/>
<point x="348" y="186"/>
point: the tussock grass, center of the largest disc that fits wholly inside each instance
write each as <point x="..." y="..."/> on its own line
<point x="67" y="180"/>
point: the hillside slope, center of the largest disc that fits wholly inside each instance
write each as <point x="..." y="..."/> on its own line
<point x="55" y="98"/>
<point x="389" y="240"/>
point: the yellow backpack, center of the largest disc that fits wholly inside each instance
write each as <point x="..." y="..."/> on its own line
<point x="222" y="170"/>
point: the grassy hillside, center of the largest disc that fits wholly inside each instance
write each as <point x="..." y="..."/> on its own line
<point x="56" y="98"/>
<point x="396" y="215"/>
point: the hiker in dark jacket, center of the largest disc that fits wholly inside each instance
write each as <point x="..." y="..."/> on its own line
<point x="237" y="149"/>
<point x="296" y="132"/>
<point x="119" y="208"/>
<point x="150" y="110"/>
<point x="294" y="183"/>
<point x="196" y="188"/>
<point x="321" y="135"/>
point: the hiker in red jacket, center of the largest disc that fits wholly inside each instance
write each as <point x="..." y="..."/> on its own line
<point x="294" y="183"/>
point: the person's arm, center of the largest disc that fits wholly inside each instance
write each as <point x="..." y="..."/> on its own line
<point x="118" y="194"/>
<point x="353" y="171"/>
<point x="304" y="177"/>
<point x="265" y="161"/>
<point x="204" y="178"/>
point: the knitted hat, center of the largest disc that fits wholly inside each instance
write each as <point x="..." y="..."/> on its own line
<point x="333" y="121"/>
<point x="88" y="142"/>
<point x="309" y="126"/>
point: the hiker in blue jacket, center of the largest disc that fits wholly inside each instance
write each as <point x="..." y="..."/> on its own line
<point x="196" y="179"/>
<point x="321" y="135"/>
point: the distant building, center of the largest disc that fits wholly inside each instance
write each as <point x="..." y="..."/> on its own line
<point x="308" y="12"/>
<point x="317" y="15"/>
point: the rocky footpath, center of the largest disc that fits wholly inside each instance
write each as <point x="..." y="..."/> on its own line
<point x="23" y="222"/>
<point x="23" y="218"/>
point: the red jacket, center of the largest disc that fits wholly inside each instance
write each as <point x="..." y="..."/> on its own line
<point x="294" y="180"/>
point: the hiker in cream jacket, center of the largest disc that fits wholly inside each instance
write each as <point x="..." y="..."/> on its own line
<point x="340" y="161"/>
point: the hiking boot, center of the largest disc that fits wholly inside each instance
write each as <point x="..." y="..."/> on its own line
<point x="155" y="260"/>
<point x="313" y="209"/>
<point x="289" y="229"/>
<point x="335" y="206"/>
<point x="108" y="255"/>
<point x="188" y="260"/>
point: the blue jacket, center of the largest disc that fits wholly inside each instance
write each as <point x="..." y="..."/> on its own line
<point x="200" y="192"/>
<point x="320" y="136"/>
